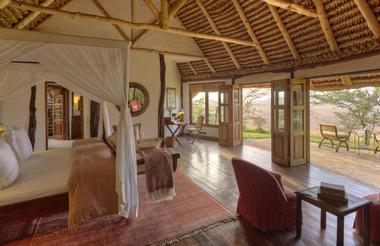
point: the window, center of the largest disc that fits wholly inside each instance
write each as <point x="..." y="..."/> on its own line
<point x="198" y="105"/>
<point x="204" y="101"/>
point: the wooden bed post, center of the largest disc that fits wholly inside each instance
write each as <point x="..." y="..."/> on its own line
<point x="161" y="131"/>
<point x="32" y="117"/>
<point x="94" y="119"/>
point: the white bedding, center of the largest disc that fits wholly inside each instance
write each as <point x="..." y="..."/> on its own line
<point x="44" y="174"/>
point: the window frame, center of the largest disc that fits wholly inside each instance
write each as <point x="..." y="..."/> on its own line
<point x="206" y="91"/>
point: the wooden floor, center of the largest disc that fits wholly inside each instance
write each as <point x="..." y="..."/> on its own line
<point x="209" y="166"/>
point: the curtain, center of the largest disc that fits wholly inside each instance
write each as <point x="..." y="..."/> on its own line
<point x="102" y="72"/>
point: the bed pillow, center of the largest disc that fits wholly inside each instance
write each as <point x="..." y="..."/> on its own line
<point x="23" y="143"/>
<point x="9" y="168"/>
<point x="10" y="138"/>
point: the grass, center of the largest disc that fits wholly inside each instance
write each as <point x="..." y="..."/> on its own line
<point x="256" y="133"/>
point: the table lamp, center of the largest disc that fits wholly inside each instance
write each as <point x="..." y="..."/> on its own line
<point x="181" y="113"/>
<point x="3" y="128"/>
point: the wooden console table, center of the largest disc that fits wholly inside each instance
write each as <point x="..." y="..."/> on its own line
<point x="354" y="203"/>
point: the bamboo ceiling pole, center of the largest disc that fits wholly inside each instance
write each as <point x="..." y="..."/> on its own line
<point x="292" y="7"/>
<point x="326" y="28"/>
<point x="176" y="6"/>
<point x="170" y="53"/>
<point x="284" y="31"/>
<point x="369" y="16"/>
<point x="250" y="31"/>
<point x="105" y="13"/>
<point x="141" y="26"/>
<point x="32" y="16"/>
<point x="210" y="66"/>
<point x="192" y="68"/>
<point x="214" y="27"/>
<point x="152" y="8"/>
<point x="164" y="14"/>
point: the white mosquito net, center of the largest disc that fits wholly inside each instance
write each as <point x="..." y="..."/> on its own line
<point x="96" y="68"/>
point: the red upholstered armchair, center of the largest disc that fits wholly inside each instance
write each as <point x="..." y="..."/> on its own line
<point x="264" y="201"/>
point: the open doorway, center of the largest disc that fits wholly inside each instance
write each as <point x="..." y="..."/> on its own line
<point x="64" y="116"/>
<point x="256" y="110"/>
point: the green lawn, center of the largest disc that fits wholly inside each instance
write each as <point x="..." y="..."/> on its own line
<point x="256" y="133"/>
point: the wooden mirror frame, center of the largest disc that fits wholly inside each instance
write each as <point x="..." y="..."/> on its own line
<point x="146" y="98"/>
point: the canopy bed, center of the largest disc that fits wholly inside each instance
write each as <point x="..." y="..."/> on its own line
<point x="95" y="68"/>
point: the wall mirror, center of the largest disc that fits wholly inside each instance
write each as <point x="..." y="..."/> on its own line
<point x="138" y="99"/>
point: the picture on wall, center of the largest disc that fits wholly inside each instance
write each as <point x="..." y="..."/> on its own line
<point x="171" y="99"/>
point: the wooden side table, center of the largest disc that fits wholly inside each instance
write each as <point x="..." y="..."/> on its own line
<point x="354" y="203"/>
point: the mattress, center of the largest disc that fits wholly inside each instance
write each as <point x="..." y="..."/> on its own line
<point x="44" y="174"/>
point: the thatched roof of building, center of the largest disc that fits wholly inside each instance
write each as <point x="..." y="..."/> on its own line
<point x="278" y="35"/>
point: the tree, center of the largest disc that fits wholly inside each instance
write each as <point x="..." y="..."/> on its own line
<point x="250" y="111"/>
<point x="360" y="108"/>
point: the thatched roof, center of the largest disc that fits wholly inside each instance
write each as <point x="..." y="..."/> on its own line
<point x="347" y="81"/>
<point x="312" y="32"/>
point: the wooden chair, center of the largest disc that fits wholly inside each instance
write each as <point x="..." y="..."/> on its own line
<point x="330" y="132"/>
<point x="194" y="133"/>
<point x="377" y="143"/>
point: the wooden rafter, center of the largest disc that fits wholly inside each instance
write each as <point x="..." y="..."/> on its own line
<point x="192" y="68"/>
<point x="284" y="31"/>
<point x="173" y="11"/>
<point x="164" y="14"/>
<point x="326" y="28"/>
<point x="214" y="27"/>
<point x="176" y="6"/>
<point x="250" y="31"/>
<point x="32" y="16"/>
<point x="141" y="26"/>
<point x="152" y="8"/>
<point x="210" y="66"/>
<point x="369" y="16"/>
<point x="105" y="13"/>
<point x="292" y="7"/>
<point x="170" y="53"/>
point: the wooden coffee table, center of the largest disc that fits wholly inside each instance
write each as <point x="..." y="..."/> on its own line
<point x="354" y="203"/>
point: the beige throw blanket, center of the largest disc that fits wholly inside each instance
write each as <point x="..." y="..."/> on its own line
<point x="91" y="186"/>
<point x="159" y="174"/>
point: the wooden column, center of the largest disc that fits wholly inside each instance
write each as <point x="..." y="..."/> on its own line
<point x="32" y="117"/>
<point x="161" y="123"/>
<point x="94" y="119"/>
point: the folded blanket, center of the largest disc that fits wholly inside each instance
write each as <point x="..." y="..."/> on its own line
<point x="91" y="186"/>
<point x="159" y="174"/>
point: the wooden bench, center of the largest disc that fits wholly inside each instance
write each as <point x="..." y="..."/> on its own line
<point x="330" y="132"/>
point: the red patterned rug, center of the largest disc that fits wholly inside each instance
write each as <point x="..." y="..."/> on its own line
<point x="190" y="211"/>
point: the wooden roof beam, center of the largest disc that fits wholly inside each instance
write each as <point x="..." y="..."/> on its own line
<point x="284" y="31"/>
<point x="292" y="7"/>
<point x="31" y="16"/>
<point x="210" y="66"/>
<point x="176" y="6"/>
<point x="171" y="53"/>
<point x="326" y="28"/>
<point x="152" y="8"/>
<point x="250" y="31"/>
<point x="192" y="68"/>
<point x="141" y="26"/>
<point x="369" y="16"/>
<point x="214" y="27"/>
<point x="164" y="14"/>
<point x="105" y="13"/>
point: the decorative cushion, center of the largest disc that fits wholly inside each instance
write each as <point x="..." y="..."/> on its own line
<point x="10" y="138"/>
<point x="9" y="168"/>
<point x="23" y="143"/>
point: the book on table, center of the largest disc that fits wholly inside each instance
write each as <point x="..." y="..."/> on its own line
<point x="332" y="192"/>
